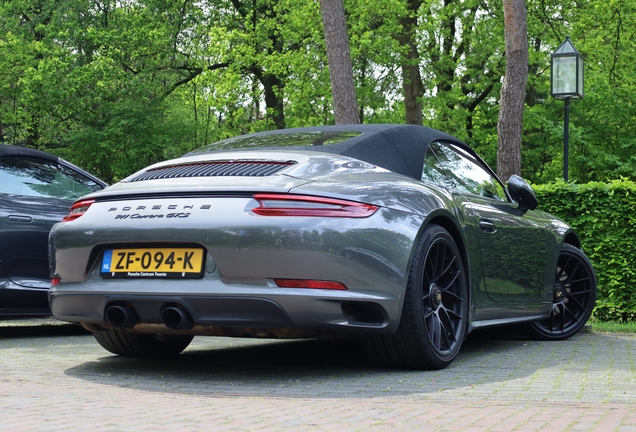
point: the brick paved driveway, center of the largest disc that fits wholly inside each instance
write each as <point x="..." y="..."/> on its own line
<point x="499" y="382"/>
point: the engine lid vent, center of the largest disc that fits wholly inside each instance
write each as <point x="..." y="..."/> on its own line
<point x="241" y="168"/>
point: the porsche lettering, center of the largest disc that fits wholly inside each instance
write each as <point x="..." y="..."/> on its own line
<point x="159" y="207"/>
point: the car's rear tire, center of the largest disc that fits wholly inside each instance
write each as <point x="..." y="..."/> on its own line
<point x="130" y="344"/>
<point x="433" y="322"/>
<point x="574" y="297"/>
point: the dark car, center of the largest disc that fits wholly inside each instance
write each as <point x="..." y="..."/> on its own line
<point x="250" y="237"/>
<point x="36" y="191"/>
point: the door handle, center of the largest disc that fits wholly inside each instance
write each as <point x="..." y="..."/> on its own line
<point x="19" y="218"/>
<point x="488" y="227"/>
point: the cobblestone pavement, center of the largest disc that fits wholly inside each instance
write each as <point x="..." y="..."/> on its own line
<point x="61" y="379"/>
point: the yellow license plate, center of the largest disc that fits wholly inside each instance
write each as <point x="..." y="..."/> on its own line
<point x="153" y="262"/>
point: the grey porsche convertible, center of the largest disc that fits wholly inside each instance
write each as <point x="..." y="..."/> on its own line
<point x="398" y="235"/>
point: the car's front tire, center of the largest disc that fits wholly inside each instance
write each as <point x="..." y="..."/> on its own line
<point x="130" y="344"/>
<point x="433" y="322"/>
<point x="574" y="297"/>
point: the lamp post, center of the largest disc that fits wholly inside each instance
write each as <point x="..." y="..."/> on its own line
<point x="566" y="82"/>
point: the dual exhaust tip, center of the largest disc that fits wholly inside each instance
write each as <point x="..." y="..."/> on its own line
<point x="174" y="317"/>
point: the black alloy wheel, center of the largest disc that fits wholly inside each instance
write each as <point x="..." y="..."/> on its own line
<point x="573" y="299"/>
<point x="442" y="297"/>
<point x="433" y="321"/>
<point x="128" y="344"/>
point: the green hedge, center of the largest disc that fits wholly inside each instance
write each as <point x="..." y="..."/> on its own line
<point x="604" y="215"/>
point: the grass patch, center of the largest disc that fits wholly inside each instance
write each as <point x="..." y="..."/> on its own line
<point x="612" y="326"/>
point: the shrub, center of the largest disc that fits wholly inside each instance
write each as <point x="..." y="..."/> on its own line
<point x="604" y="216"/>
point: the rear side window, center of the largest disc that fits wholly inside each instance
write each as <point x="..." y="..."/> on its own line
<point x="432" y="172"/>
<point x="466" y="172"/>
<point x="41" y="178"/>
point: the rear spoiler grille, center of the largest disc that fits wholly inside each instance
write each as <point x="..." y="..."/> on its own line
<point x="239" y="168"/>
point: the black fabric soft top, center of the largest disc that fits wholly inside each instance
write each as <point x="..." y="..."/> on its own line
<point x="11" y="150"/>
<point x="397" y="148"/>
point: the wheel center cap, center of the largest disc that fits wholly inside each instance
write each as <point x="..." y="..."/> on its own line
<point x="559" y="292"/>
<point x="436" y="296"/>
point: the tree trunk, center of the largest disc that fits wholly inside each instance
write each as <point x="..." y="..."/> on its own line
<point x="273" y="87"/>
<point x="513" y="91"/>
<point x="273" y="100"/>
<point x="345" y="104"/>
<point x="411" y="78"/>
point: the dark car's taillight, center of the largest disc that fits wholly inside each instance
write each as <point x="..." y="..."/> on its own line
<point x="302" y="205"/>
<point x="77" y="210"/>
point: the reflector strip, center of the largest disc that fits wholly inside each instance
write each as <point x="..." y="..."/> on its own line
<point x="302" y="205"/>
<point x="310" y="283"/>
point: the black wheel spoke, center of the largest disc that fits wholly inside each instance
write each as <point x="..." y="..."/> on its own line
<point x="573" y="315"/>
<point x="435" y="330"/>
<point x="572" y="282"/>
<point x="552" y="316"/>
<point x="445" y="342"/>
<point x="426" y="299"/>
<point x="428" y="273"/>
<point x="436" y="263"/>
<point x="573" y="272"/>
<point x="447" y="326"/>
<point x="454" y="277"/>
<point x="563" y="267"/>
<point x="452" y="294"/>
<point x="580" y="305"/>
<point x="579" y="293"/>
<point x="445" y="270"/>
<point x="453" y="313"/>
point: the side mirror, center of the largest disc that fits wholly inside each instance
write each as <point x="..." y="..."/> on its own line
<point x="522" y="193"/>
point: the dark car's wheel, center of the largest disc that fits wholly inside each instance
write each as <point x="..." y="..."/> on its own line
<point x="129" y="344"/>
<point x="574" y="296"/>
<point x="433" y="321"/>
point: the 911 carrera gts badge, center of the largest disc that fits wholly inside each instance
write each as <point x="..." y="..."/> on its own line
<point x="152" y="216"/>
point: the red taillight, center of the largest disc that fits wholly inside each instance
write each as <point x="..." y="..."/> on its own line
<point x="300" y="205"/>
<point x="55" y="281"/>
<point x="77" y="210"/>
<point x="310" y="283"/>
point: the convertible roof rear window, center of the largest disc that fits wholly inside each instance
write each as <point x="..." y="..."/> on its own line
<point x="317" y="138"/>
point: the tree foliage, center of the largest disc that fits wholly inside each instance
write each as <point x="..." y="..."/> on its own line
<point x="114" y="85"/>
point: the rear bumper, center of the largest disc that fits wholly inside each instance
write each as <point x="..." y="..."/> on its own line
<point x="278" y="315"/>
